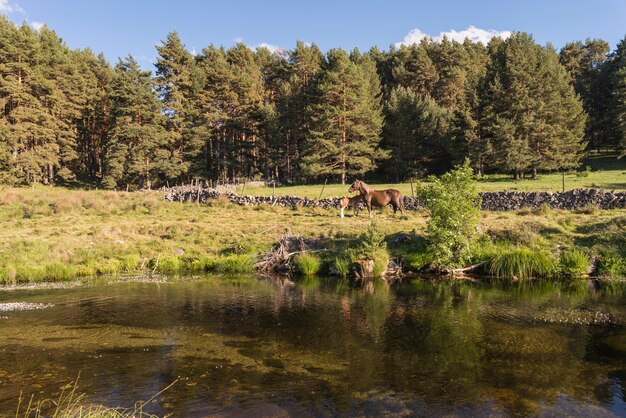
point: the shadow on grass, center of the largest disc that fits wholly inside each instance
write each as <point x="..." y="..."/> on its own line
<point x="607" y="234"/>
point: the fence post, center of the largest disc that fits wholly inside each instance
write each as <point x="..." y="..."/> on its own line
<point x="323" y="187"/>
<point x="244" y="185"/>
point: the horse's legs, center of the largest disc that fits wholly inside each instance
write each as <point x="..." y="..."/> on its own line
<point x="356" y="209"/>
<point x="342" y="213"/>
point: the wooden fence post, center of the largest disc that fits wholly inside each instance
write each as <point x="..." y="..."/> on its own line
<point x="323" y="187"/>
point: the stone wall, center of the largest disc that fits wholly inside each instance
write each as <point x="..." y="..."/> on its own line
<point x="494" y="201"/>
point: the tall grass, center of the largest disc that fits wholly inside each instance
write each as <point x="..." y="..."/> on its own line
<point x="236" y="263"/>
<point x="308" y="264"/>
<point x="521" y="263"/>
<point x="71" y="404"/>
<point x="573" y="263"/>
<point x="341" y="266"/>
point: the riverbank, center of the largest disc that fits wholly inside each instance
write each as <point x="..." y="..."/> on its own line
<point x="54" y="234"/>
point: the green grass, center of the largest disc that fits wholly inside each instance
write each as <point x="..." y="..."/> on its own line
<point x="521" y="263"/>
<point x="70" y="234"/>
<point x="308" y="264"/>
<point x="611" y="177"/>
<point x="236" y="263"/>
<point x="341" y="266"/>
<point x="573" y="263"/>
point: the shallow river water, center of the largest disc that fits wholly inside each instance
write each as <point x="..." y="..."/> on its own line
<point x="245" y="346"/>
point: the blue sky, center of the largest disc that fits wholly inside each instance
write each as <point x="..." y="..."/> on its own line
<point x="135" y="26"/>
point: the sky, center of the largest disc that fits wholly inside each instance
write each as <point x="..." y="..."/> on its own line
<point x="118" y="28"/>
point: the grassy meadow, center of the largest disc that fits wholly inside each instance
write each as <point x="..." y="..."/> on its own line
<point x="53" y="234"/>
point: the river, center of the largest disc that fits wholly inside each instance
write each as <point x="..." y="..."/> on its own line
<point x="247" y="346"/>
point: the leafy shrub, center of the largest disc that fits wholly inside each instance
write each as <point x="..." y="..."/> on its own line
<point x="573" y="263"/>
<point x="307" y="263"/>
<point x="454" y="207"/>
<point x="521" y="263"/>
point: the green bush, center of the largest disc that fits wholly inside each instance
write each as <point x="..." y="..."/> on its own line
<point x="573" y="263"/>
<point x="521" y="263"/>
<point x="308" y="264"/>
<point x="454" y="207"/>
<point x="372" y="246"/>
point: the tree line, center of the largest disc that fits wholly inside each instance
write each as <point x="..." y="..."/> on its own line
<point x="512" y="106"/>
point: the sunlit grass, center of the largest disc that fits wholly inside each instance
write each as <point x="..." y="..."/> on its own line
<point x="611" y="178"/>
<point x="522" y="264"/>
<point x="71" y="404"/>
<point x="115" y="233"/>
<point x="308" y="264"/>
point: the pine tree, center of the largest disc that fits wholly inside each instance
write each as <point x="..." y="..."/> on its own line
<point x="211" y="105"/>
<point x="29" y="146"/>
<point x="415" y="131"/>
<point x="292" y="101"/>
<point x="174" y="70"/>
<point x="139" y="149"/>
<point x="345" y="120"/>
<point x="585" y="62"/>
<point x="617" y="80"/>
<point x="95" y="120"/>
<point x="531" y="114"/>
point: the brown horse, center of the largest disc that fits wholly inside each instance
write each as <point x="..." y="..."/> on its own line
<point x="378" y="198"/>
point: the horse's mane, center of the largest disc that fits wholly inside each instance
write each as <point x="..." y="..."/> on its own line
<point x="366" y="188"/>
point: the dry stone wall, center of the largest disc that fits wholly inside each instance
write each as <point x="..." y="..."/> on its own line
<point x="493" y="201"/>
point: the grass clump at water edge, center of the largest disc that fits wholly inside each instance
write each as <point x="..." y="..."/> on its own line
<point x="522" y="264"/>
<point x="235" y="263"/>
<point x="308" y="264"/>
<point x="341" y="266"/>
<point x="573" y="263"/>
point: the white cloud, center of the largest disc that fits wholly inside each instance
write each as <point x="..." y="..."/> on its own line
<point x="37" y="25"/>
<point x="193" y="51"/>
<point x="473" y="33"/>
<point x="274" y="49"/>
<point x="6" y="7"/>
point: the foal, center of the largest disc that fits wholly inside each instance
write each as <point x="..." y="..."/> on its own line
<point x="350" y="201"/>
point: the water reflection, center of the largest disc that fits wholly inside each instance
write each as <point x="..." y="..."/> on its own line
<point x="317" y="346"/>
